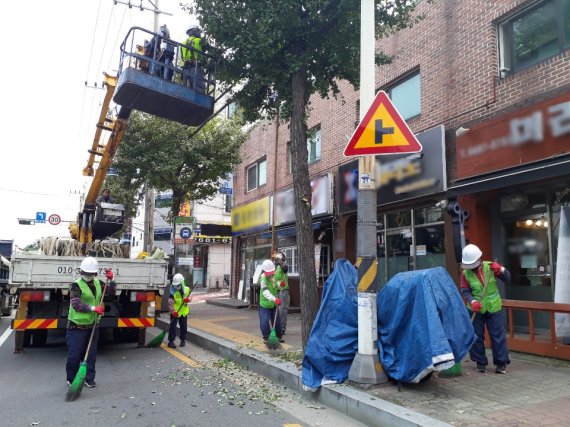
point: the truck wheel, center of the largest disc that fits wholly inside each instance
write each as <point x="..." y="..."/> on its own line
<point x="126" y="335"/>
<point x="39" y="338"/>
<point x="6" y="304"/>
<point x="27" y="338"/>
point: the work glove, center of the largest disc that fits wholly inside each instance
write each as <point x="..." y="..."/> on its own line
<point x="98" y="309"/>
<point x="496" y="267"/>
<point x="277" y="301"/>
<point x="174" y="314"/>
<point x="282" y="283"/>
<point x="476" y="306"/>
<point x="187" y="300"/>
<point x="109" y="274"/>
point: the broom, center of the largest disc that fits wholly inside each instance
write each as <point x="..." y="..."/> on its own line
<point x="157" y="341"/>
<point x="76" y="386"/>
<point x="272" y="340"/>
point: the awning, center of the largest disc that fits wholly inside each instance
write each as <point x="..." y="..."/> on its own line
<point x="535" y="172"/>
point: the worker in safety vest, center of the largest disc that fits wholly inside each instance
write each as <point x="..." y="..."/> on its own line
<point x="178" y="307"/>
<point x="192" y="59"/>
<point x="282" y="282"/>
<point x="84" y="310"/>
<point x="269" y="301"/>
<point x="479" y="288"/>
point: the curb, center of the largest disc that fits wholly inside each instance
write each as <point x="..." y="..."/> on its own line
<point x="349" y="401"/>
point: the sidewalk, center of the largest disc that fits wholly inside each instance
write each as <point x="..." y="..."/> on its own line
<point x="535" y="391"/>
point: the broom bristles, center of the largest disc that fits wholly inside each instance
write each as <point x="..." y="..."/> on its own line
<point x="273" y="341"/>
<point x="156" y="341"/>
<point x="77" y="385"/>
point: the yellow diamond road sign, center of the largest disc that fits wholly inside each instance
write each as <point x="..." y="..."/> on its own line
<point x="382" y="131"/>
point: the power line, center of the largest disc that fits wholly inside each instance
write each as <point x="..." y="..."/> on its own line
<point x="31" y="192"/>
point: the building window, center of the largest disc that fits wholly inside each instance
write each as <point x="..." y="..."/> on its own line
<point x="256" y="175"/>
<point x="227" y="203"/>
<point x="314" y="144"/>
<point x="534" y="35"/>
<point x="405" y="95"/>
<point x="292" y="255"/>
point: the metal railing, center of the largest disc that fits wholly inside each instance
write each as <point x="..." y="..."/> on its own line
<point x="147" y="51"/>
<point x="528" y="342"/>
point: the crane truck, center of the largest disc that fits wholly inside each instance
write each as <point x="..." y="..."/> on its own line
<point x="41" y="281"/>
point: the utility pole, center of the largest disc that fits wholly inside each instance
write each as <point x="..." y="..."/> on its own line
<point x="366" y="367"/>
<point x="149" y="193"/>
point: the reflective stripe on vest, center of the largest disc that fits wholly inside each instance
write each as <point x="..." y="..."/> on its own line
<point x="179" y="303"/>
<point x="270" y="283"/>
<point x="87" y="297"/>
<point x="491" y="302"/>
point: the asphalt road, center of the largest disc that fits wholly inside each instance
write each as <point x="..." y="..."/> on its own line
<point x="146" y="387"/>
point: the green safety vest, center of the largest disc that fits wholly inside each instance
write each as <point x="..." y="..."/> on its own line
<point x="281" y="276"/>
<point x="179" y="305"/>
<point x="491" y="302"/>
<point x="189" y="54"/>
<point x="270" y="283"/>
<point x="87" y="297"/>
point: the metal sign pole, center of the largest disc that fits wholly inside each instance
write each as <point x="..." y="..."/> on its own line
<point x="366" y="367"/>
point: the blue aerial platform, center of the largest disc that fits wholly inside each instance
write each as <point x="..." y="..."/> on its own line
<point x="155" y="95"/>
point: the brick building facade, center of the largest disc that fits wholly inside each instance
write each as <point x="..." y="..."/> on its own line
<point x="468" y="71"/>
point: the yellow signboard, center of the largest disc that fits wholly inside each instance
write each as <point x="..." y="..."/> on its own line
<point x="254" y="215"/>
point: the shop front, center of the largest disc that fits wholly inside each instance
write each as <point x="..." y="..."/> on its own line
<point x="254" y="236"/>
<point x="410" y="218"/>
<point x="513" y="176"/>
<point x="286" y="232"/>
<point x="249" y="248"/>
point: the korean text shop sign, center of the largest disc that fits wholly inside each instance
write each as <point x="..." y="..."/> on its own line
<point x="538" y="132"/>
<point x="399" y="177"/>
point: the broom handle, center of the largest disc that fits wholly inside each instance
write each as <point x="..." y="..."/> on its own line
<point x="275" y="317"/>
<point x="96" y="322"/>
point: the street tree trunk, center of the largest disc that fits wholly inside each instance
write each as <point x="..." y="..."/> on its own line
<point x="303" y="194"/>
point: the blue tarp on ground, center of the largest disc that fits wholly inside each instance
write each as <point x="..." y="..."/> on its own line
<point x="422" y="322"/>
<point x="333" y="341"/>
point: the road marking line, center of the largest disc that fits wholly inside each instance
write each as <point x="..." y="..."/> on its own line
<point x="240" y="338"/>
<point x="180" y="356"/>
<point x="5" y="335"/>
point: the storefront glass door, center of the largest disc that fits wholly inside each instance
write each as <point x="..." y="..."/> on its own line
<point x="409" y="240"/>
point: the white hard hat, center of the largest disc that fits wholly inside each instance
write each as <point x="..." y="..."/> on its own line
<point x="471" y="257"/>
<point x="268" y="267"/>
<point x="177" y="279"/>
<point x="280" y="255"/>
<point x="89" y="265"/>
<point x="193" y="29"/>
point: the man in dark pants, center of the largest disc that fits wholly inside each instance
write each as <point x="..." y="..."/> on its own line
<point x="85" y="298"/>
<point x="178" y="307"/>
<point x="479" y="288"/>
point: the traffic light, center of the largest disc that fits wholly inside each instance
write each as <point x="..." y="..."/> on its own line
<point x="24" y="221"/>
